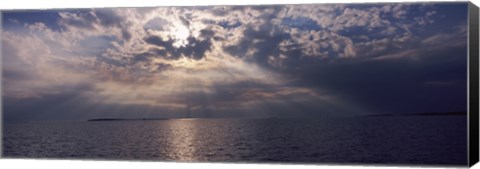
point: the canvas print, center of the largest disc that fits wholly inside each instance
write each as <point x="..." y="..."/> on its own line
<point x="374" y="83"/>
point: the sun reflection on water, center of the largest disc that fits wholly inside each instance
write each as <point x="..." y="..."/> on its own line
<point x="182" y="140"/>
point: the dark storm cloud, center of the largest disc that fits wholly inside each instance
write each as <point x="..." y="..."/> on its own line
<point x="194" y="49"/>
<point x="396" y="86"/>
<point x="266" y="41"/>
<point x="108" y="17"/>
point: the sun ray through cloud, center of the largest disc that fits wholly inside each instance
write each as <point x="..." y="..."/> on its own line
<point x="171" y="61"/>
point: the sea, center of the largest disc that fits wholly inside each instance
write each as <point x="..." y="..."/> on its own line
<point x="396" y="140"/>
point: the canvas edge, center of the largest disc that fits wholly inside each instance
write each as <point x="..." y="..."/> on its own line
<point x="1" y="85"/>
<point x="473" y="84"/>
<point x="472" y="69"/>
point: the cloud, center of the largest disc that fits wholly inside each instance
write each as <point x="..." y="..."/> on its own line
<point x="100" y="22"/>
<point x="194" y="48"/>
<point x="432" y="44"/>
<point x="437" y="39"/>
<point x="210" y="59"/>
<point x="32" y="60"/>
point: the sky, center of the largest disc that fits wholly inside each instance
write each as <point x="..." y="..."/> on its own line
<point x="320" y="60"/>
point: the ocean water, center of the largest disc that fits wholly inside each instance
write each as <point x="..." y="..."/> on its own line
<point x="436" y="140"/>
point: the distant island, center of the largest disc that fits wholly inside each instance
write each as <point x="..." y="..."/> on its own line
<point x="117" y="119"/>
<point x="425" y="114"/>
<point x="370" y="115"/>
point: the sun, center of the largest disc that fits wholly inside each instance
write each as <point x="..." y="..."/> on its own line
<point x="180" y="34"/>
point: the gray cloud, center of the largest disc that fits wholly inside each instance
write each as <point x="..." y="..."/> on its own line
<point x="81" y="20"/>
<point x="195" y="48"/>
<point x="92" y="20"/>
<point x="238" y="61"/>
